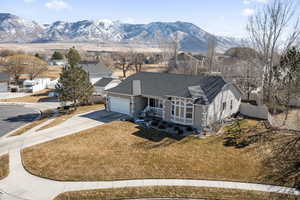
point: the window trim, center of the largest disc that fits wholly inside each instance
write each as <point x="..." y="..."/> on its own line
<point x="182" y="104"/>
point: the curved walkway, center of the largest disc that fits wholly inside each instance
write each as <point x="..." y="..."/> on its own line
<point x="26" y="186"/>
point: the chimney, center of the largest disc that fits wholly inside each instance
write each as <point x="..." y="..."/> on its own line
<point x="136" y="87"/>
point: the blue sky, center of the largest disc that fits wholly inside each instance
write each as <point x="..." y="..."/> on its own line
<point x="222" y="17"/>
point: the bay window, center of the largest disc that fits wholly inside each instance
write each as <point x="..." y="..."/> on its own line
<point x="182" y="110"/>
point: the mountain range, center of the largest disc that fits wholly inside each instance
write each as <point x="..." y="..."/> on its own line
<point x="190" y="37"/>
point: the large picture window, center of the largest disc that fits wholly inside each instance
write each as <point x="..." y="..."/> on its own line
<point x="182" y="110"/>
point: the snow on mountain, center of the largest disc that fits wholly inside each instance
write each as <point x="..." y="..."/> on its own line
<point x="190" y="36"/>
<point x="16" y="29"/>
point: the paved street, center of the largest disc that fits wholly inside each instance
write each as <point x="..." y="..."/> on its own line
<point x="14" y="116"/>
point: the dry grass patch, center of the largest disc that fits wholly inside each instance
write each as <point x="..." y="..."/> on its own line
<point x="171" y="192"/>
<point x="65" y="116"/>
<point x="120" y="150"/>
<point x="34" y="98"/>
<point x="4" y="166"/>
<point x="53" y="72"/>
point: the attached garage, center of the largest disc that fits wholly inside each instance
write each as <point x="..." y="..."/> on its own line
<point x="119" y="104"/>
<point x="4" y="87"/>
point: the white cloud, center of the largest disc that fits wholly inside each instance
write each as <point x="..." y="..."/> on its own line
<point x="57" y="5"/>
<point x="29" y="1"/>
<point x="248" y="12"/>
<point x="246" y="2"/>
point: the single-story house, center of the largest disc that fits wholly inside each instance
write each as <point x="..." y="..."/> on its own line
<point x="36" y="85"/>
<point x="4" y="82"/>
<point x="56" y="62"/>
<point x="96" y="70"/>
<point x="196" y="101"/>
<point x="105" y="84"/>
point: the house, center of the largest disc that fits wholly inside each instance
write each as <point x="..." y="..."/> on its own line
<point x="36" y="85"/>
<point x="96" y="70"/>
<point x="105" y="84"/>
<point x="4" y="82"/>
<point x="196" y="101"/>
<point x="56" y="62"/>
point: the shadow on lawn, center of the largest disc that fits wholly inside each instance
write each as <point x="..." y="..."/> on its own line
<point x="155" y="135"/>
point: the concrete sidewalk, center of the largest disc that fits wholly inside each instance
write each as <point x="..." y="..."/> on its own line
<point x="22" y="185"/>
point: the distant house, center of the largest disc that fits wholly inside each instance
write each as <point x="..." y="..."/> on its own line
<point x="4" y="82"/>
<point x="61" y="63"/>
<point x="96" y="70"/>
<point x="105" y="84"/>
<point x="184" y="60"/>
<point x="196" y="101"/>
<point x="36" y="85"/>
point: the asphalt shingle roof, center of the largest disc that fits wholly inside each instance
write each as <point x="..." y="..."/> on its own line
<point x="96" y="68"/>
<point x="4" y="76"/>
<point x="103" y="82"/>
<point x="163" y="85"/>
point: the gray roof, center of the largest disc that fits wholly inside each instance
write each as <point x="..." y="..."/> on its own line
<point x="257" y="112"/>
<point x="4" y="76"/>
<point x="103" y="82"/>
<point x="96" y="68"/>
<point x="180" y="85"/>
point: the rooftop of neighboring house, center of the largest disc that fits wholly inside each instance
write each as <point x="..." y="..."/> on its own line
<point x="103" y="82"/>
<point x="96" y="68"/>
<point x="4" y="76"/>
<point x="201" y="88"/>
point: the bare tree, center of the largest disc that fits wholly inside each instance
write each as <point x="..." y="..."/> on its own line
<point x="34" y="66"/>
<point x="123" y="63"/>
<point x="211" y="53"/>
<point x="169" y="50"/>
<point x="270" y="29"/>
<point x="14" y="65"/>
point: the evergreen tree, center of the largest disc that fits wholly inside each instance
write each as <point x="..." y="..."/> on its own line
<point x="74" y="85"/>
<point x="73" y="57"/>
<point x="57" y="56"/>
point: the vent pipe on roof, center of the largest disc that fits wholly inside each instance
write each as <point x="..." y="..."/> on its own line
<point x="136" y="87"/>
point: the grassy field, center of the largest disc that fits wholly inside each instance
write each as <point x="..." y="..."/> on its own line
<point x="146" y="68"/>
<point x="171" y="192"/>
<point x="4" y="166"/>
<point x="121" y="150"/>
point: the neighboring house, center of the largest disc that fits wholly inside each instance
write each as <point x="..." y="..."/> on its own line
<point x="105" y="84"/>
<point x="186" y="60"/>
<point x="36" y="84"/>
<point x="58" y="63"/>
<point x="197" y="101"/>
<point x="96" y="70"/>
<point x="4" y="82"/>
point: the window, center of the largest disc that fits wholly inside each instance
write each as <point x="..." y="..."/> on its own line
<point x="182" y="110"/>
<point x="224" y="106"/>
<point x="231" y="104"/>
<point x="156" y="103"/>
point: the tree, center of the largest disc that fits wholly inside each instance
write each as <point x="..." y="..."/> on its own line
<point x="34" y="66"/>
<point x="74" y="85"/>
<point x="14" y="65"/>
<point x="124" y="63"/>
<point x="267" y="29"/>
<point x="287" y="75"/>
<point x="57" y="56"/>
<point x="73" y="57"/>
<point x="211" y="53"/>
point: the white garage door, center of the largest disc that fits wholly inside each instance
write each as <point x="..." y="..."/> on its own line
<point x="120" y="105"/>
<point x="3" y="87"/>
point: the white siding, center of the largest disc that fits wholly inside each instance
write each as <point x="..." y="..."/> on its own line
<point x="215" y="109"/>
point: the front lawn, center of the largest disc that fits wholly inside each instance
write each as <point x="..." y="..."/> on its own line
<point x="120" y="150"/>
<point x="171" y="192"/>
<point x="4" y="166"/>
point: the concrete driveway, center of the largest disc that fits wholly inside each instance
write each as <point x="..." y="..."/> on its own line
<point x="15" y="116"/>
